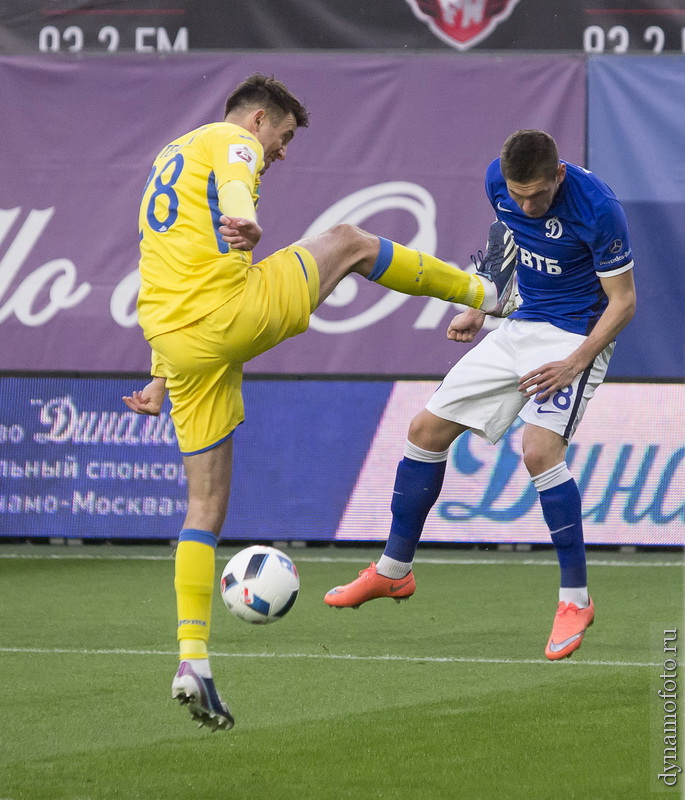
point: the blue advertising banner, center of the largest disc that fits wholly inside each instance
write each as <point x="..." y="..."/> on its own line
<point x="74" y="462"/>
<point x="636" y="128"/>
<point x="316" y="460"/>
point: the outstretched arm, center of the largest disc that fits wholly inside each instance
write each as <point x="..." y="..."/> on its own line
<point x="150" y="399"/>
<point x="549" y="378"/>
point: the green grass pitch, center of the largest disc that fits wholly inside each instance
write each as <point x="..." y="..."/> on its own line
<point x="447" y="695"/>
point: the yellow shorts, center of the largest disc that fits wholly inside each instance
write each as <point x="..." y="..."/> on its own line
<point x="203" y="362"/>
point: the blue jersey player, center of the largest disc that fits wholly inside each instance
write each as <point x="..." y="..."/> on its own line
<point x="575" y="279"/>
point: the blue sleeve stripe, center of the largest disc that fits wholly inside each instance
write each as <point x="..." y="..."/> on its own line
<point x="304" y="269"/>
<point x="213" y="203"/>
<point x="383" y="261"/>
<point x="195" y="535"/>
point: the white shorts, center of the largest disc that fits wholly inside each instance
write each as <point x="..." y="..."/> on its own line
<point x="481" y="390"/>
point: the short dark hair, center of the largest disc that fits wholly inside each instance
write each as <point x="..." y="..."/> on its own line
<point x="264" y="91"/>
<point x="528" y="155"/>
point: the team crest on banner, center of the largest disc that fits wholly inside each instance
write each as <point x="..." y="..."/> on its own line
<point x="462" y="23"/>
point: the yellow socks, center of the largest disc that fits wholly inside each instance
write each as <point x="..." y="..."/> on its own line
<point x="416" y="273"/>
<point x="194" y="584"/>
<point x="192" y="649"/>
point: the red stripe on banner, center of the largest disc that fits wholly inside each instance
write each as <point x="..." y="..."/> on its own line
<point x="118" y="12"/>
<point x="617" y="11"/>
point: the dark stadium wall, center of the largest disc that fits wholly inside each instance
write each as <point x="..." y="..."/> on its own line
<point x="146" y="26"/>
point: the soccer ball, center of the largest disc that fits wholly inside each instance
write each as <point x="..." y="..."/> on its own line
<point x="260" y="584"/>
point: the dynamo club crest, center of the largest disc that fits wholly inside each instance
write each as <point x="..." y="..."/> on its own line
<point x="462" y="23"/>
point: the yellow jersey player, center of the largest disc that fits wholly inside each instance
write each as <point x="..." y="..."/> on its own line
<point x="186" y="269"/>
<point x="206" y="309"/>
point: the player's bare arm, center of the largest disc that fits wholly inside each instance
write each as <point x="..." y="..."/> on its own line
<point x="150" y="399"/>
<point x="550" y="378"/>
<point x="465" y="327"/>
<point x="239" y="232"/>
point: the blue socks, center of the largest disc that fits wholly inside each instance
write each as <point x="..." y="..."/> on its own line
<point x="561" y="509"/>
<point x="417" y="487"/>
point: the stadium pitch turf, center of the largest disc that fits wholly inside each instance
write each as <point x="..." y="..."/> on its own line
<point x="447" y="695"/>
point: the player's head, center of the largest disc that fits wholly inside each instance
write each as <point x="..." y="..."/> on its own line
<point x="269" y="111"/>
<point x="531" y="168"/>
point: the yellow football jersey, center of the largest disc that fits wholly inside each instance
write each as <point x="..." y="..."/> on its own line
<point x="186" y="270"/>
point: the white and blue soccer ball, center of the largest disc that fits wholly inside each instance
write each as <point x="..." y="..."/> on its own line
<point x="260" y="584"/>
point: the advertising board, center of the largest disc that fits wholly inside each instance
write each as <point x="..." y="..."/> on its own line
<point x="315" y="460"/>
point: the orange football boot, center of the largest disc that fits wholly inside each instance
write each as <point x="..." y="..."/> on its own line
<point x="568" y="630"/>
<point x="368" y="586"/>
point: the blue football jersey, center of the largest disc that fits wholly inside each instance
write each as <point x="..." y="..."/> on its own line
<point x="584" y="234"/>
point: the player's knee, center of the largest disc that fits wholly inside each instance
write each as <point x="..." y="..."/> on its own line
<point x="357" y="244"/>
<point x="542" y="450"/>
<point x="427" y="432"/>
<point x="346" y="232"/>
<point x="535" y="460"/>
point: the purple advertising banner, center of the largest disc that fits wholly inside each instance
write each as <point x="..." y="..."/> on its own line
<point x="398" y="145"/>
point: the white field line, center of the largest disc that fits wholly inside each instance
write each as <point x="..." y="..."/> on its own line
<point x="539" y="562"/>
<point x="329" y="657"/>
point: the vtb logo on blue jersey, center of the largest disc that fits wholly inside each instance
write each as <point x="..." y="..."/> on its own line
<point x="540" y="263"/>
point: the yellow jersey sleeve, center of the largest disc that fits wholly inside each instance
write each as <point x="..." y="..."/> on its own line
<point x="241" y="158"/>
<point x="186" y="269"/>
